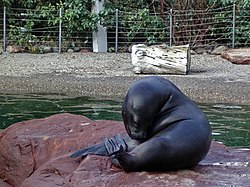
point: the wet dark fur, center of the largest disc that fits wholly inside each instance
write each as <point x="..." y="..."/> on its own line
<point x="167" y="131"/>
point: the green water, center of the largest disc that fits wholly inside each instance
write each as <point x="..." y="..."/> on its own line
<point x="230" y="123"/>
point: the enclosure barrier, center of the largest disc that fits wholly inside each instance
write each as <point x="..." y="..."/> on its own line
<point x="198" y="28"/>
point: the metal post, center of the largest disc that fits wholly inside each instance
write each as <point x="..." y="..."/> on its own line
<point x="60" y="31"/>
<point x="4" y="29"/>
<point x="100" y="41"/>
<point x="170" y="27"/>
<point x="233" y="39"/>
<point x="116" y="30"/>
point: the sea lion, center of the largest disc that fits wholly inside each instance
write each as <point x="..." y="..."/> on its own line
<point x="166" y="130"/>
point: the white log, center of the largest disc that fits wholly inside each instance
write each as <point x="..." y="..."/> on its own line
<point x="161" y="59"/>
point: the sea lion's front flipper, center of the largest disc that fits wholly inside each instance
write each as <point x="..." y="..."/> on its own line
<point x="98" y="149"/>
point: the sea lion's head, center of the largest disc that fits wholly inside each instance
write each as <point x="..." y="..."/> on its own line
<point x="138" y="111"/>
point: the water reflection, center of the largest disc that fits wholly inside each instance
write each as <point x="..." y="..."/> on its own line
<point x="230" y="123"/>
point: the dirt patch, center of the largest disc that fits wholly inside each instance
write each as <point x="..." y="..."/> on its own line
<point x="211" y="79"/>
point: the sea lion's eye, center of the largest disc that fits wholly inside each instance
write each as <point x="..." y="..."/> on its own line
<point x="136" y="124"/>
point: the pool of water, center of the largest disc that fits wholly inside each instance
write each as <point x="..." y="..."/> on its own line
<point x="230" y="123"/>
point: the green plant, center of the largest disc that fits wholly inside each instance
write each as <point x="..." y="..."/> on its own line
<point x="242" y="23"/>
<point x="21" y="35"/>
<point x="139" y="21"/>
<point x="76" y="18"/>
<point x="136" y="20"/>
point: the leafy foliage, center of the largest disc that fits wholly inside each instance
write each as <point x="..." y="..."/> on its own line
<point x="139" y="20"/>
<point x="76" y="17"/>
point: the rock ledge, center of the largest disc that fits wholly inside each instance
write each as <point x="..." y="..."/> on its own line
<point x="35" y="153"/>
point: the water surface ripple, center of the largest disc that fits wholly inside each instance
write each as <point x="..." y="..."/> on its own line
<point x="230" y="123"/>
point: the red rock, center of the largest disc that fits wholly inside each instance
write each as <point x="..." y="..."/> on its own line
<point x="25" y="146"/>
<point x="237" y="56"/>
<point x="85" y="51"/>
<point x="36" y="153"/>
<point x="4" y="184"/>
<point x="15" y="49"/>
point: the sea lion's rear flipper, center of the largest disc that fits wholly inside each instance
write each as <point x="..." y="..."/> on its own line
<point x="98" y="149"/>
<point x="113" y="145"/>
<point x="108" y="147"/>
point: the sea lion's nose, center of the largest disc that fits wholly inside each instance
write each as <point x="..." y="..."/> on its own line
<point x="138" y="135"/>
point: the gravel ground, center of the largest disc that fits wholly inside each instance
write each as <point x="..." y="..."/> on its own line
<point x="211" y="79"/>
